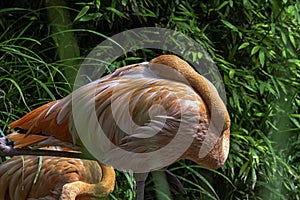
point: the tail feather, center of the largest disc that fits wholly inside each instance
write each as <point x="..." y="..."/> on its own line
<point x="29" y="121"/>
<point x="43" y="120"/>
<point x="22" y="140"/>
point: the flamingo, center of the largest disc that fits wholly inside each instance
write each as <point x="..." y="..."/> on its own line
<point x="58" y="178"/>
<point x="140" y="108"/>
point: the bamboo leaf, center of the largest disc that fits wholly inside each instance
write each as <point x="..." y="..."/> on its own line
<point x="244" y="169"/>
<point x="292" y="39"/>
<point x="255" y="50"/>
<point x="120" y="14"/>
<point x="83" y="11"/>
<point x="231" y="73"/>
<point x="229" y="25"/>
<point x="284" y="38"/>
<point x="244" y="45"/>
<point x="262" y="57"/>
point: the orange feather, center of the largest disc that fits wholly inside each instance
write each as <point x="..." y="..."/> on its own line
<point x="58" y="178"/>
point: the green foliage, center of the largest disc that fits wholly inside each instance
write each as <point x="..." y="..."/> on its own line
<point x="26" y="79"/>
<point x="255" y="45"/>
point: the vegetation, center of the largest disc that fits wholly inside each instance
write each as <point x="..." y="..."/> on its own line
<point x="255" y="45"/>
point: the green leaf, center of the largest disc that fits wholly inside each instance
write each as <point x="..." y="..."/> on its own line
<point x="255" y="50"/>
<point x="282" y="86"/>
<point x="254" y="178"/>
<point x="231" y="73"/>
<point x="229" y="25"/>
<point x="261" y="87"/>
<point x="91" y="16"/>
<point x="222" y="5"/>
<point x="294" y="60"/>
<point x="262" y="57"/>
<point x="244" y="169"/>
<point x="284" y="38"/>
<point x="244" y="45"/>
<point x="82" y="12"/>
<point x="295" y="121"/>
<point x="120" y="14"/>
<point x="292" y="39"/>
<point x="98" y="4"/>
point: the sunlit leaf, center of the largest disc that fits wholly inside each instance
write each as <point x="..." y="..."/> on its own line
<point x="262" y="57"/>
<point x="83" y="11"/>
<point x="284" y="38"/>
<point x="244" y="45"/>
<point x="231" y="73"/>
<point x="292" y="39"/>
<point x="229" y="25"/>
<point x="255" y="50"/>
